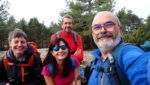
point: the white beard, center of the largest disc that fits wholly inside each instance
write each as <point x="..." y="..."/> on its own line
<point x="108" y="44"/>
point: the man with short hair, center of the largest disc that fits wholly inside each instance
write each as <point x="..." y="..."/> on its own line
<point x="73" y="39"/>
<point x="106" y="32"/>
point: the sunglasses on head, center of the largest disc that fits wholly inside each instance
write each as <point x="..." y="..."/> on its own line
<point x="63" y="47"/>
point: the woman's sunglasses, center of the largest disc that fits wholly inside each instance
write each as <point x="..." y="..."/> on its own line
<point x="63" y="47"/>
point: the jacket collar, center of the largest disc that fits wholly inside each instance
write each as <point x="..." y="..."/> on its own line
<point x="27" y="54"/>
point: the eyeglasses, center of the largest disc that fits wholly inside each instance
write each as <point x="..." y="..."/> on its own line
<point x="107" y="25"/>
<point x="63" y="47"/>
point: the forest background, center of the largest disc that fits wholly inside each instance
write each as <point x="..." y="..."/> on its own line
<point x="135" y="30"/>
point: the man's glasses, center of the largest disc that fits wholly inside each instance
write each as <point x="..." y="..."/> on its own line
<point x="107" y="25"/>
<point x="63" y="47"/>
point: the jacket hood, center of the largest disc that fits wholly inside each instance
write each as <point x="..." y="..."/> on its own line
<point x="29" y="52"/>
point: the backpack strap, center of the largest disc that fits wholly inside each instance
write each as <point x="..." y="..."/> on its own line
<point x="30" y="63"/>
<point x="93" y="63"/>
<point x="73" y="63"/>
<point x="74" y="36"/>
<point x="118" y="74"/>
<point x="88" y="70"/>
<point x="31" y="60"/>
<point x="5" y="61"/>
<point x="58" y="34"/>
<point x="51" y="69"/>
<point x="99" y="68"/>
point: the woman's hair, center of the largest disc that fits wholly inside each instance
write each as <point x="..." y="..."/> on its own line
<point x="50" y="59"/>
<point x="16" y="33"/>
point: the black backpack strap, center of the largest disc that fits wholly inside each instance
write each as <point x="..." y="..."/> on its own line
<point x="93" y="63"/>
<point x="3" y="73"/>
<point x="88" y="70"/>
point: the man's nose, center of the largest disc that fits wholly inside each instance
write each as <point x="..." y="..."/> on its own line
<point x="19" y="44"/>
<point x="67" y="24"/>
<point x="103" y="29"/>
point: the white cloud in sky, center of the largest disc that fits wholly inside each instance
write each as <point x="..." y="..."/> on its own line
<point x="48" y="10"/>
<point x="139" y="7"/>
<point x="44" y="10"/>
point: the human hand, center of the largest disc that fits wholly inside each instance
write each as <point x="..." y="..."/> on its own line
<point x="7" y="84"/>
<point x="77" y="52"/>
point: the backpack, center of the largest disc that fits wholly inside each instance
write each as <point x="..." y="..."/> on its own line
<point x="7" y="63"/>
<point x="51" y="69"/>
<point x="30" y="60"/>
<point x="34" y="47"/>
<point x="145" y="46"/>
<point x="74" y="36"/>
<point x="115" y="71"/>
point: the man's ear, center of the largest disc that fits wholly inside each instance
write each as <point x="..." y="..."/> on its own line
<point x="121" y="29"/>
<point x="61" y="26"/>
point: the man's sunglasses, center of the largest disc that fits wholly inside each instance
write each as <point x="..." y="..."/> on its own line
<point x="63" y="47"/>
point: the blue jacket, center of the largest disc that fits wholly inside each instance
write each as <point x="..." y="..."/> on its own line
<point x="132" y="61"/>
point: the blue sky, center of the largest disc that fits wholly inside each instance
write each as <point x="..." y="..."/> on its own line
<point x="48" y="10"/>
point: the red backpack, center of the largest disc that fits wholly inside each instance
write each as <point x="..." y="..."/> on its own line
<point x="34" y="47"/>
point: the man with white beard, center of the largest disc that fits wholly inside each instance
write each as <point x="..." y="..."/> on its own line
<point x="131" y="64"/>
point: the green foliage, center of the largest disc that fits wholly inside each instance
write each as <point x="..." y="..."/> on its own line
<point x="129" y="20"/>
<point x="11" y="23"/>
<point x="3" y="36"/>
<point x="4" y="6"/>
<point x="83" y="12"/>
<point x="138" y="36"/>
<point x="148" y="23"/>
<point x="3" y="28"/>
<point x="136" y="30"/>
<point x="54" y="27"/>
<point x="37" y="31"/>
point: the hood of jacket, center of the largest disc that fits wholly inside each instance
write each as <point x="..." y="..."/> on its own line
<point x="29" y="52"/>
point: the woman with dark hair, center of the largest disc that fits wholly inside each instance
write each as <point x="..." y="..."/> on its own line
<point x="59" y="68"/>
